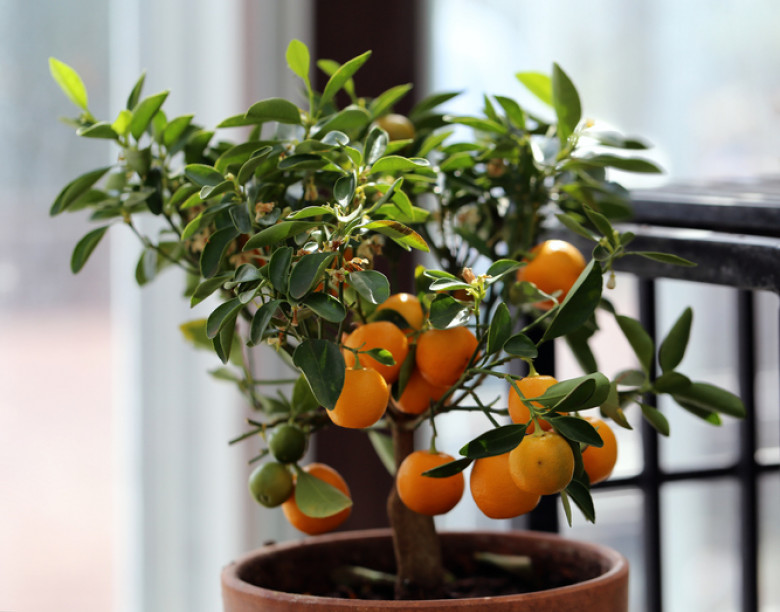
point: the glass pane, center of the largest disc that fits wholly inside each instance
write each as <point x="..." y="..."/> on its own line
<point x="56" y="453"/>
<point x="768" y="552"/>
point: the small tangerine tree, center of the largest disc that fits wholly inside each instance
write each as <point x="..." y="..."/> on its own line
<point x="282" y="230"/>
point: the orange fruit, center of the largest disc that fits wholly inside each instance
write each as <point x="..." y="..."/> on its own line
<point x="408" y="306"/>
<point x="599" y="461"/>
<point x="530" y="386"/>
<point x="379" y="334"/>
<point x="554" y="266"/>
<point x="424" y="494"/>
<point x="542" y="463"/>
<point x="418" y="394"/>
<point x="443" y="354"/>
<point x="315" y="525"/>
<point x="398" y="127"/>
<point x="494" y="491"/>
<point x="363" y="399"/>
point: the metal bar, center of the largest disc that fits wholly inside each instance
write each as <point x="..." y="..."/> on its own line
<point x="651" y="473"/>
<point x="748" y="473"/>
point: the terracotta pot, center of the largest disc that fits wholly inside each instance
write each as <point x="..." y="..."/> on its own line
<point x="266" y="580"/>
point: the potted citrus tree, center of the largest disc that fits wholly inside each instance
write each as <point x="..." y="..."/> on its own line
<point x="297" y="232"/>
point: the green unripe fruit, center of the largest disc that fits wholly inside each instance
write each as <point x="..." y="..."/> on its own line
<point x="288" y="443"/>
<point x="271" y="484"/>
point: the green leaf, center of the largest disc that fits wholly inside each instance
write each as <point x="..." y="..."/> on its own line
<point x="222" y="316"/>
<point x="521" y="345"/>
<point x="627" y="164"/>
<point x="344" y="189"/>
<point x="494" y="442"/>
<point x="393" y="164"/>
<point x="75" y="189"/>
<point x="576" y="430"/>
<point x="303" y="399"/>
<point x="215" y="249"/>
<point x="206" y="288"/>
<point x="656" y="418"/>
<point x="399" y="233"/>
<point x="341" y="76"/>
<point x="671" y="382"/>
<point x="578" y="398"/>
<point x="307" y="272"/>
<point x="279" y="232"/>
<point x="385" y="101"/>
<point x="617" y="140"/>
<point x="555" y="394"/>
<point x="672" y="349"/>
<point x="84" y="248"/>
<point x="579" y="304"/>
<point x="323" y="366"/>
<point x="376" y="145"/>
<point x="601" y="223"/>
<point x="175" y="130"/>
<point x="383" y="445"/>
<point x="298" y="59"/>
<point x="311" y="211"/>
<point x="500" y="267"/>
<point x="446" y="312"/>
<point x="667" y="258"/>
<point x="302" y="161"/>
<point x="275" y="109"/>
<point x="575" y="226"/>
<point x="203" y="175"/>
<point x="431" y="102"/>
<point x="579" y="493"/>
<point x="316" y="498"/>
<point x="713" y="418"/>
<point x="500" y="329"/>
<point x="352" y="119"/>
<point x="69" y="81"/>
<point x="371" y="285"/>
<point x="249" y="167"/>
<point x="143" y="113"/>
<point x="709" y="397"/>
<point x="449" y="469"/>
<point x="238" y="155"/>
<point x="135" y="94"/>
<point x="102" y="129"/>
<point x="279" y="268"/>
<point x="538" y="84"/>
<point x="261" y="319"/>
<point x="381" y="355"/>
<point x="326" y="306"/>
<point x="513" y="111"/>
<point x="121" y="124"/>
<point x="566" y="102"/>
<point x="639" y="340"/>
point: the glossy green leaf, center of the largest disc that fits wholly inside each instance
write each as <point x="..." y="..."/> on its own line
<point x="121" y="124"/>
<point x="279" y="268"/>
<point x="371" y="285"/>
<point x="667" y="258"/>
<point x="395" y="163"/>
<point x="350" y="120"/>
<point x="521" y="345"/>
<point x="575" y="226"/>
<point x="203" y="175"/>
<point x="579" y="493"/>
<point x="712" y="398"/>
<point x="576" y="429"/>
<point x="69" y="81"/>
<point x="538" y="84"/>
<point x="341" y="76"/>
<point x="656" y="418"/>
<point x="302" y="161"/>
<point x="713" y="418"/>
<point x="215" y="250"/>
<point x="399" y="233"/>
<point x="175" y="129"/>
<point x="431" y="102"/>
<point x="143" y="113"/>
<point x="307" y="272"/>
<point x="278" y="233"/>
<point x="252" y="164"/>
<point x="207" y="288"/>
<point x="380" y="355"/>
<point x="433" y="141"/>
<point x="579" y="304"/>
<point x="478" y="123"/>
<point x="275" y="109"/>
<point x="102" y="129"/>
<point x="555" y="394"/>
<point x="344" y="189"/>
<point x="237" y="155"/>
<point x="376" y="144"/>
<point x="500" y="329"/>
<point x="627" y="164"/>
<point x="77" y="188"/>
<point x="566" y="102"/>
<point x="326" y="306"/>
<point x="672" y="349"/>
<point x="601" y="223"/>
<point x="449" y="469"/>
<point x="222" y="316"/>
<point x="323" y="366"/>
<point x="494" y="442"/>
<point x="261" y="320"/>
<point x="135" y="94"/>
<point x="513" y="111"/>
<point x="616" y="140"/>
<point x="318" y="499"/>
<point x="298" y="59"/>
<point x="84" y="248"/>
<point x="385" y="101"/>
<point x="446" y="312"/>
<point x="671" y="382"/>
<point x="639" y="339"/>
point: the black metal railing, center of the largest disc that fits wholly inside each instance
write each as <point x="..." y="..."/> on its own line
<point x="733" y="231"/>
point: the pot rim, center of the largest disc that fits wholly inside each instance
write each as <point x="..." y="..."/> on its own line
<point x="617" y="564"/>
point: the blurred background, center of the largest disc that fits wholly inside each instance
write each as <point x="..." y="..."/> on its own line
<point x="118" y="491"/>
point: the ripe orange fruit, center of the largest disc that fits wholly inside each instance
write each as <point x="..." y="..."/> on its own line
<point x="542" y="463"/>
<point x="379" y="334"/>
<point x="424" y="494"/>
<point x="408" y="306"/>
<point x="443" y="354"/>
<point x="312" y="525"/>
<point x="554" y="266"/>
<point x="494" y="491"/>
<point x="530" y="386"/>
<point x="363" y="399"/>
<point x="398" y="127"/>
<point x="599" y="461"/>
<point x="418" y="394"/>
